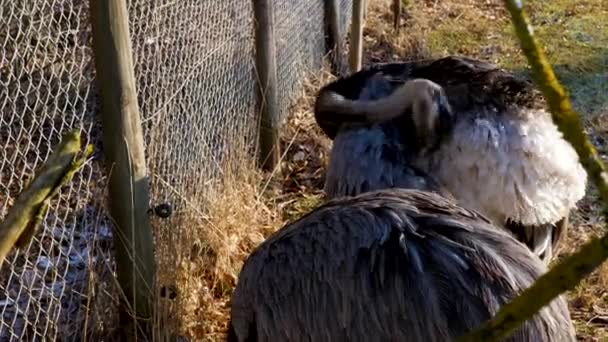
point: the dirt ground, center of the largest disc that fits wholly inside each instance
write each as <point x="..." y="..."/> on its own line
<point x="575" y="37"/>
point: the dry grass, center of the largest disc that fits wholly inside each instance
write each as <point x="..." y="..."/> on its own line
<point x="298" y="189"/>
<point x="198" y="268"/>
<point x="198" y="264"/>
<point x="202" y="264"/>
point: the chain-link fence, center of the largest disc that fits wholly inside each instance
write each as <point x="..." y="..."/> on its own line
<point x="194" y="66"/>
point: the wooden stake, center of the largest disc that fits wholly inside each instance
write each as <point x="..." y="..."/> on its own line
<point x="125" y="162"/>
<point x="267" y="93"/>
<point x="356" y="36"/>
<point x="396" y="14"/>
<point x="333" y="41"/>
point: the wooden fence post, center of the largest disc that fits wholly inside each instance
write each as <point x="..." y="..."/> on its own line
<point x="267" y="92"/>
<point x="396" y="14"/>
<point x="356" y="36"/>
<point x="333" y="41"/>
<point x="125" y="162"/>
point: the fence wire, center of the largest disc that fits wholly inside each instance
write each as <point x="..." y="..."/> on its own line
<point x="45" y="90"/>
<point x="196" y="79"/>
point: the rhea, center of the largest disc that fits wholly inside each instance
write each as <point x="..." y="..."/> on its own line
<point x="401" y="264"/>
<point x="498" y="153"/>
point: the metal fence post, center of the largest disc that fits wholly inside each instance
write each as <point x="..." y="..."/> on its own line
<point x="267" y="94"/>
<point x="125" y="162"/>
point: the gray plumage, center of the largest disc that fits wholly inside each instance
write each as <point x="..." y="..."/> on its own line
<point x="368" y="159"/>
<point x="499" y="153"/>
<point x="391" y="265"/>
<point x="377" y="156"/>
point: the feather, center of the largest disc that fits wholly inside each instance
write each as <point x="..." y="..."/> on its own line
<point x="391" y="264"/>
<point x="503" y="156"/>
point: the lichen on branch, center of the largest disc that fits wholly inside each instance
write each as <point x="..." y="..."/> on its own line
<point x="23" y="218"/>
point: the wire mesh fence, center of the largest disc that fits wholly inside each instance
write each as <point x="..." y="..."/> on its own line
<point x="194" y="67"/>
<point x="45" y="90"/>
